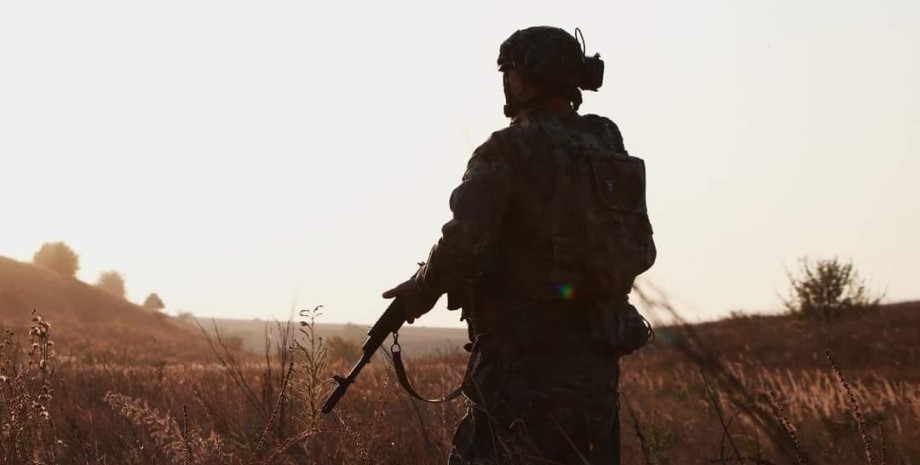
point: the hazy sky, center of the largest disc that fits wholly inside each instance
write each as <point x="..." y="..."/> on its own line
<point x="241" y="158"/>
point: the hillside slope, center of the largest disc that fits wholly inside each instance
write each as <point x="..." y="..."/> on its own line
<point x="886" y="342"/>
<point x="90" y="322"/>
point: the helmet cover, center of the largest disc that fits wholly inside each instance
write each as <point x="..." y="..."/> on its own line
<point x="544" y="54"/>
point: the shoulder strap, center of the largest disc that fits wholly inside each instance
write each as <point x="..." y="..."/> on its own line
<point x="602" y="124"/>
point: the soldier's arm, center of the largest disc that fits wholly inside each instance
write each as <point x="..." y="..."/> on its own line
<point x="478" y="206"/>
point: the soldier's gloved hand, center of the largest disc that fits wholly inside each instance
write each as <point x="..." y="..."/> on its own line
<point x="418" y="300"/>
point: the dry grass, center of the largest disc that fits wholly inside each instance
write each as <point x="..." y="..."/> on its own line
<point x="686" y="406"/>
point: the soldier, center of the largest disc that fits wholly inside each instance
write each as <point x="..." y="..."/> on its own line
<point x="549" y="231"/>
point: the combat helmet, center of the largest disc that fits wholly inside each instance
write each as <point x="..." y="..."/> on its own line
<point x="554" y="58"/>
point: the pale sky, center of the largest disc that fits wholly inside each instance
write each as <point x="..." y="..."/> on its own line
<point x="241" y="158"/>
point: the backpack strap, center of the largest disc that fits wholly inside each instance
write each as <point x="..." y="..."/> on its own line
<point x="606" y="128"/>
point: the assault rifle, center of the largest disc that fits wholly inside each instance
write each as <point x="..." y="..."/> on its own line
<point x="389" y="323"/>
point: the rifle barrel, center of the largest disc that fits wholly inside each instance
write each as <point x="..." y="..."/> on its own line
<point x="343" y="383"/>
<point x="390" y="322"/>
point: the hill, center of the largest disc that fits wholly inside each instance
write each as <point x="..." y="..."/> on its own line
<point x="885" y="342"/>
<point x="91" y="323"/>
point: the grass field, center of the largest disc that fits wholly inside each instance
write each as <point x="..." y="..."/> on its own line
<point x="112" y="383"/>
<point x="770" y="396"/>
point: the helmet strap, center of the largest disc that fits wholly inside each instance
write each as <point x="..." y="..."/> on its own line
<point x="513" y="107"/>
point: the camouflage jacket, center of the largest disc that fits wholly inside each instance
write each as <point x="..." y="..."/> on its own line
<point x="551" y="207"/>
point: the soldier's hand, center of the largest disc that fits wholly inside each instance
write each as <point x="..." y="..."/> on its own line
<point x="418" y="301"/>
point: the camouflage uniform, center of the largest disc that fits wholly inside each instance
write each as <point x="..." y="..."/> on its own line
<point x="550" y="235"/>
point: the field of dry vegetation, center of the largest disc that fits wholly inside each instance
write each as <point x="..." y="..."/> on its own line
<point x="756" y="390"/>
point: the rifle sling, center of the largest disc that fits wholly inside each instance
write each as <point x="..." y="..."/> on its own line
<point x="407" y="385"/>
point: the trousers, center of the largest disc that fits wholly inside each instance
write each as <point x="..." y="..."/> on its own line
<point x="540" y="389"/>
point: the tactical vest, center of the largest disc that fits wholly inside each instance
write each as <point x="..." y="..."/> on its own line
<point x="577" y="227"/>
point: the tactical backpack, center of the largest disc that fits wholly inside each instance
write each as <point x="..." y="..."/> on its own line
<point x="619" y="213"/>
<point x="619" y="232"/>
<point x="602" y="237"/>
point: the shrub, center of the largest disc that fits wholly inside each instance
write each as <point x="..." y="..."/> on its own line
<point x="343" y="349"/>
<point x="186" y="317"/>
<point x="112" y="282"/>
<point x="154" y="303"/>
<point x="57" y="257"/>
<point x="828" y="289"/>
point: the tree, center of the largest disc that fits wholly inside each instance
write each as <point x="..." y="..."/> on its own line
<point x="827" y="290"/>
<point x="154" y="303"/>
<point x="112" y="282"/>
<point x="57" y="257"/>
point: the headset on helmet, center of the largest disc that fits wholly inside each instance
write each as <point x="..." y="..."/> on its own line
<point x="552" y="56"/>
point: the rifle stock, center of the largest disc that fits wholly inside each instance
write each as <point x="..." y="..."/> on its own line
<point x="390" y="322"/>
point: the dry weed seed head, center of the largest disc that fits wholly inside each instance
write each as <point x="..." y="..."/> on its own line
<point x="860" y="422"/>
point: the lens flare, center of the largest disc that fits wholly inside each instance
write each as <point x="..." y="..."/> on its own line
<point x="566" y="291"/>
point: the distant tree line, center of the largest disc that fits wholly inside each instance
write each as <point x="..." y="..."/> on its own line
<point x="61" y="258"/>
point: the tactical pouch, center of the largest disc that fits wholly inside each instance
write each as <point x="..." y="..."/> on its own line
<point x="620" y="182"/>
<point x="620" y="327"/>
<point x="621" y="216"/>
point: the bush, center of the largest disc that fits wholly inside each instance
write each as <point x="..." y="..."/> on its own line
<point x="154" y="303"/>
<point x="827" y="290"/>
<point x="112" y="282"/>
<point x="186" y="317"/>
<point x="57" y="257"/>
<point x="343" y="349"/>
